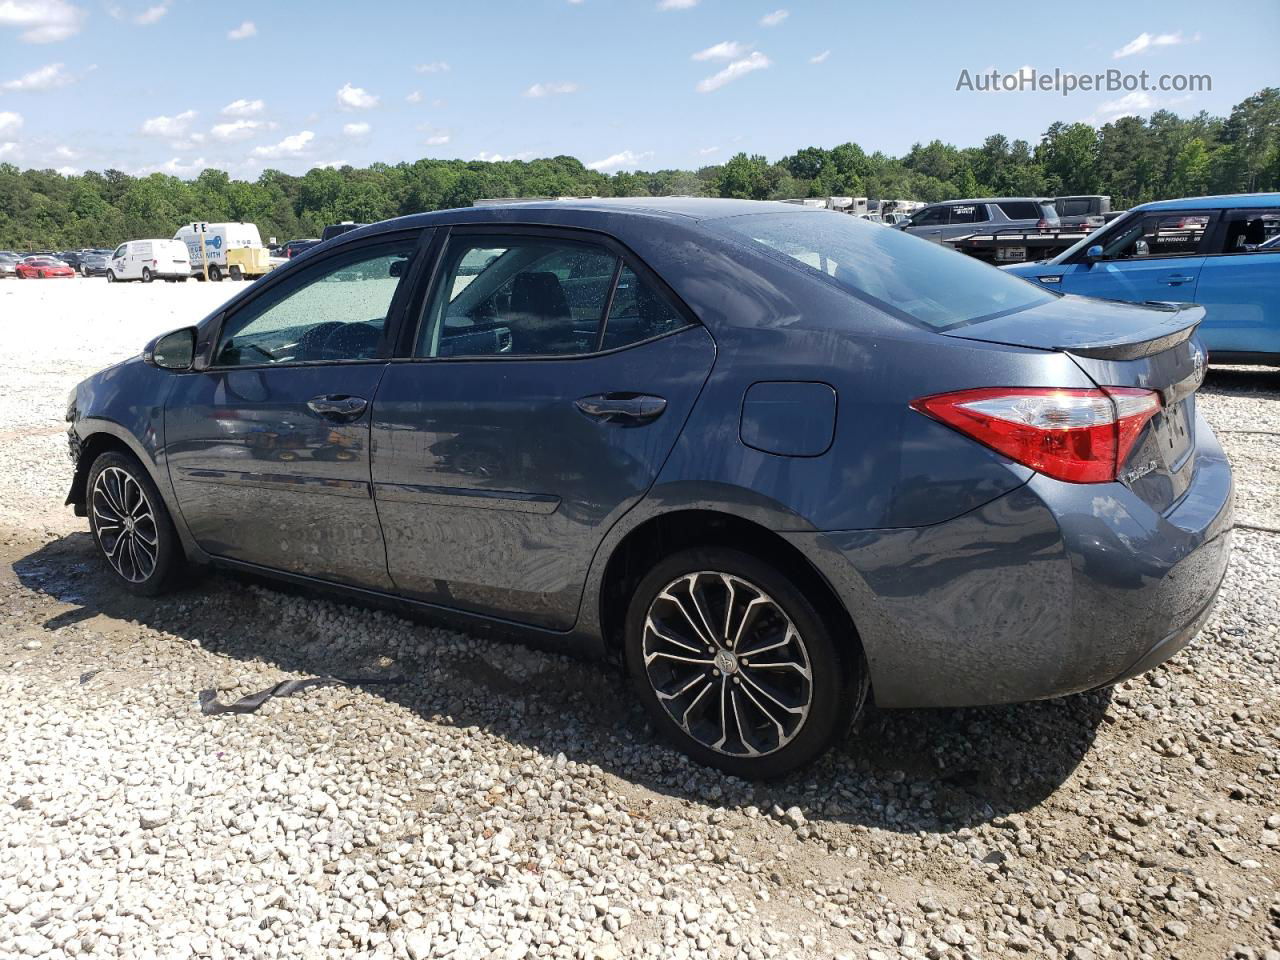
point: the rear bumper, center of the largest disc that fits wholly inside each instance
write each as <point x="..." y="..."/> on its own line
<point x="1051" y="589"/>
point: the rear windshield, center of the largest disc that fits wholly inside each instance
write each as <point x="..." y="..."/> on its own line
<point x="905" y="275"/>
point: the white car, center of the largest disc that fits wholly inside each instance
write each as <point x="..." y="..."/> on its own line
<point x="148" y="260"/>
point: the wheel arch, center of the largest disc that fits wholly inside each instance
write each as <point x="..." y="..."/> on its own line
<point x="666" y="533"/>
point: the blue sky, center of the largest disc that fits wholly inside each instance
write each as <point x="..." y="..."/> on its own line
<point x="175" y="85"/>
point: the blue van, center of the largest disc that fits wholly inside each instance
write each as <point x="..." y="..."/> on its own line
<point x="1220" y="252"/>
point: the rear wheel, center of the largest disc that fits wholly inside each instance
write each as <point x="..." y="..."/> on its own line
<point x="131" y="525"/>
<point x="736" y="665"/>
<point x="146" y="275"/>
<point x="215" y="274"/>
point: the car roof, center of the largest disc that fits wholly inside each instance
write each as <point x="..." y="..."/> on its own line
<point x="1000" y="200"/>
<point x="1225" y="201"/>
<point x="590" y="213"/>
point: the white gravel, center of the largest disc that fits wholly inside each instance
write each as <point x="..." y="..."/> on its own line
<point x="507" y="803"/>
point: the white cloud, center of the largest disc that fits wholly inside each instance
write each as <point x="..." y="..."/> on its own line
<point x="173" y="127"/>
<point x="355" y="98"/>
<point x="42" y="21"/>
<point x="707" y="151"/>
<point x="724" y="50"/>
<point x="550" y="89"/>
<point x="244" y="31"/>
<point x="775" y="18"/>
<point x="820" y="57"/>
<point x="235" y="130"/>
<point x="1145" y="41"/>
<point x="415" y="97"/>
<point x="151" y="14"/>
<point x="7" y="148"/>
<point x="676" y="4"/>
<point x="64" y="152"/>
<point x="499" y="157"/>
<point x="356" y="129"/>
<point x="289" y="146"/>
<point x="1130" y="105"/>
<point x="438" y="66"/>
<point x="574" y="2"/>
<point x="10" y="123"/>
<point x="174" y="167"/>
<point x="437" y="139"/>
<point x="620" y="161"/>
<point x="67" y="171"/>
<point x="243" y="108"/>
<point x="48" y="77"/>
<point x="739" y="68"/>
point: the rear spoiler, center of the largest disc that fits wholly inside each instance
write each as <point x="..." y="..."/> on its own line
<point x="1181" y="324"/>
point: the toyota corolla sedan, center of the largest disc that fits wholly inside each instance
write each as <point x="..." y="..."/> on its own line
<point x="771" y="459"/>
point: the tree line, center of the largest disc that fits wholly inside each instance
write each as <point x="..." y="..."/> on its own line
<point x="1132" y="159"/>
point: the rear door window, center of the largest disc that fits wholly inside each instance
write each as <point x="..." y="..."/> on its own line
<point x="1250" y="231"/>
<point x="968" y="212"/>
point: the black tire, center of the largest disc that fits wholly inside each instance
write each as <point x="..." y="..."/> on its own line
<point x="215" y="274"/>
<point x="146" y="275"/>
<point x="111" y="276"/>
<point x="237" y="273"/>
<point x="835" y="688"/>
<point x="130" y="567"/>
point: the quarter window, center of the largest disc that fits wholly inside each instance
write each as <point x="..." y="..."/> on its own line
<point x="336" y="310"/>
<point x="638" y="312"/>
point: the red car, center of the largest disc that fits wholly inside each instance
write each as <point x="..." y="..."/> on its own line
<point x="42" y="268"/>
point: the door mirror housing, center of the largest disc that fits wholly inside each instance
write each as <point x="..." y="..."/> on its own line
<point x="1093" y="254"/>
<point x="172" y="351"/>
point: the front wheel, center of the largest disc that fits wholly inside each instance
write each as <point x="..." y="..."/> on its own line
<point x="131" y="526"/>
<point x="111" y="276"/>
<point x="215" y="274"/>
<point x="736" y="665"/>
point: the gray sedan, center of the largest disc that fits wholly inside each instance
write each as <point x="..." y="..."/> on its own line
<point x="770" y="459"/>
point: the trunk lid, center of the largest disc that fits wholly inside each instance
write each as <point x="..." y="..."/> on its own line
<point x="1149" y="346"/>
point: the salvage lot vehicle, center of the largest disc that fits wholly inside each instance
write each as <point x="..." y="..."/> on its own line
<point x="232" y="250"/>
<point x="1214" y="251"/>
<point x="148" y="260"/>
<point x="93" y="263"/>
<point x="956" y="218"/>
<point x="819" y="456"/>
<point x="8" y="265"/>
<point x="42" y="268"/>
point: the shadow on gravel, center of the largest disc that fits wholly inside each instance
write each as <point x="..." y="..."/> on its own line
<point x="919" y="770"/>
<point x="1242" y="381"/>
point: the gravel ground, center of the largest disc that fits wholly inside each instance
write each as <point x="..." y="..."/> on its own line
<point x="508" y="803"/>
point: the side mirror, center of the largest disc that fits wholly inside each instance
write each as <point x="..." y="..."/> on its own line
<point x="172" y="351"/>
<point x="1093" y="254"/>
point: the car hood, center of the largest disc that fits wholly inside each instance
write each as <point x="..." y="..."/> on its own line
<point x="1032" y="268"/>
<point x="1083" y="324"/>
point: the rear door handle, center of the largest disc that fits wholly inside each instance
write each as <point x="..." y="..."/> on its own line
<point x="627" y="409"/>
<point x="337" y="406"/>
<point x="1174" y="279"/>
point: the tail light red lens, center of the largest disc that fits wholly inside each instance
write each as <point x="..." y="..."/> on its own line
<point x="1081" y="436"/>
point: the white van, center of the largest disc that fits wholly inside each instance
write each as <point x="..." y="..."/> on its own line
<point x="148" y="260"/>
<point x="219" y="240"/>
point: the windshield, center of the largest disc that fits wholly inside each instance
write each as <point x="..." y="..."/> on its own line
<point x="905" y="275"/>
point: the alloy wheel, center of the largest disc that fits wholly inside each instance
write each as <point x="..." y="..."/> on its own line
<point x="727" y="664"/>
<point x="125" y="522"/>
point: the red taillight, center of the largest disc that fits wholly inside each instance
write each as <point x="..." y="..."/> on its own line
<point x="1081" y="436"/>
<point x="1043" y="226"/>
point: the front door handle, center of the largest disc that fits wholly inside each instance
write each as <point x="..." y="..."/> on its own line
<point x="1175" y="279"/>
<point x="337" y="406"/>
<point x="626" y="409"/>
